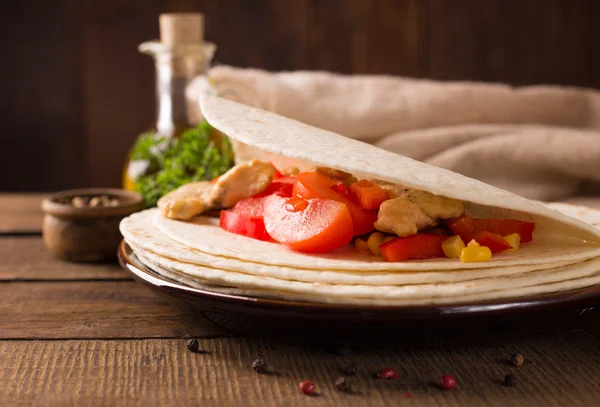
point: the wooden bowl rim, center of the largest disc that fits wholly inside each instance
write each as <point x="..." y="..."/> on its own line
<point x="130" y="202"/>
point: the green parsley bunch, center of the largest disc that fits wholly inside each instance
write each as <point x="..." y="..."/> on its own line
<point x="194" y="156"/>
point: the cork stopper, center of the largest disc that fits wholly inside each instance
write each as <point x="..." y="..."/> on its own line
<point x="181" y="28"/>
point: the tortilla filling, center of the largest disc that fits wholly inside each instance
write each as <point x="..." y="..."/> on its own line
<point x="325" y="209"/>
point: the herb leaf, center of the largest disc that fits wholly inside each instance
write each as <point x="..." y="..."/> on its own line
<point x="197" y="155"/>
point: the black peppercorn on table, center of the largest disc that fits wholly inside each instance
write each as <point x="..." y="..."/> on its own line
<point x="79" y="334"/>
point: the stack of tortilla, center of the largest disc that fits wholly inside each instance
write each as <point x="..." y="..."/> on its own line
<point x="564" y="254"/>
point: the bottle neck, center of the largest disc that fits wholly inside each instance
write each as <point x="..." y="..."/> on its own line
<point x="176" y="67"/>
<point x="172" y="107"/>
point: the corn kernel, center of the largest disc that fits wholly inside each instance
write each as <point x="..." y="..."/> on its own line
<point x="473" y="243"/>
<point x="453" y="246"/>
<point x="374" y="241"/>
<point x="361" y="245"/>
<point x="389" y="238"/>
<point x="474" y="254"/>
<point x="514" y="239"/>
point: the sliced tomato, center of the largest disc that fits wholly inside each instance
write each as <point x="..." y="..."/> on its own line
<point x="312" y="226"/>
<point x="250" y="226"/>
<point x="466" y="227"/>
<point x="310" y="185"/>
<point x="368" y="195"/>
<point x="251" y="207"/>
<point x="295" y="204"/>
<point x="421" y="246"/>
<point x="494" y="241"/>
<point x="255" y="206"/>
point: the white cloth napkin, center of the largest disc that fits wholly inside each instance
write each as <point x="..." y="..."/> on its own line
<point x="542" y="142"/>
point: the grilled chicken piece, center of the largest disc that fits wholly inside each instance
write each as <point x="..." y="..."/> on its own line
<point x="186" y="201"/>
<point x="402" y="217"/>
<point x="242" y="181"/>
<point x="343" y="176"/>
<point x="434" y="206"/>
<point x="409" y="210"/>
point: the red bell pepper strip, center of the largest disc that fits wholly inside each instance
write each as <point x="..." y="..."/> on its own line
<point x="368" y="195"/>
<point x="466" y="227"/>
<point x="494" y="241"/>
<point x="421" y="246"/>
<point x="505" y="227"/>
<point x="462" y="227"/>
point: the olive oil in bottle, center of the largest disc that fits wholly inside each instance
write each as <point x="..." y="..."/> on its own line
<point x="180" y="56"/>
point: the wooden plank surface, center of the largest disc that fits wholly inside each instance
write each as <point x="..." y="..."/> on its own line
<point x="100" y="309"/>
<point x="563" y="370"/>
<point x="26" y="258"/>
<point x="21" y="213"/>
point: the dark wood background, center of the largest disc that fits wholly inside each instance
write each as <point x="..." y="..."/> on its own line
<point x="75" y="92"/>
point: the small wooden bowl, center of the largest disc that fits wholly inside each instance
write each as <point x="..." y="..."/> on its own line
<point x="86" y="234"/>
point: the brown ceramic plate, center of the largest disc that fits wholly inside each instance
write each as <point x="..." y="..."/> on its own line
<point x="438" y="323"/>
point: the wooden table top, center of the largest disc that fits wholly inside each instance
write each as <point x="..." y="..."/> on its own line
<point x="77" y="334"/>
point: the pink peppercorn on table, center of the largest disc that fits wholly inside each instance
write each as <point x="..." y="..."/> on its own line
<point x="81" y="334"/>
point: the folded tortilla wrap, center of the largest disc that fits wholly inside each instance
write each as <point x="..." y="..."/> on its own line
<point x="564" y="253"/>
